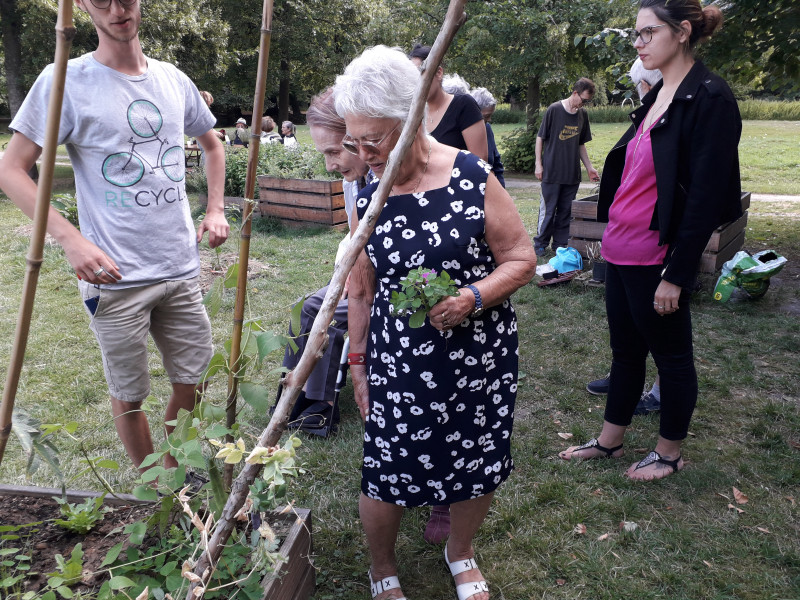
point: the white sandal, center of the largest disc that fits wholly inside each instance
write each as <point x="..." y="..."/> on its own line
<point x="465" y="590"/>
<point x="384" y="585"/>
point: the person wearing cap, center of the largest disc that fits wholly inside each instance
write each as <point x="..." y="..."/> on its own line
<point x="241" y="136"/>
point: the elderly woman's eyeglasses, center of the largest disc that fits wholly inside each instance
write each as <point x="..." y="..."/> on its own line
<point x="103" y="4"/>
<point x="353" y="146"/>
<point x="646" y="34"/>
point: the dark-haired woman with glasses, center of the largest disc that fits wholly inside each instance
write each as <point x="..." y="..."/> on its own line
<point x="667" y="184"/>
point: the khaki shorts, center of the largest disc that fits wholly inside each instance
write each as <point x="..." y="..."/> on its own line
<point x="170" y="311"/>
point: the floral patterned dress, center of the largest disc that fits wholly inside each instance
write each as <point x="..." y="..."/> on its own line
<point x="441" y="403"/>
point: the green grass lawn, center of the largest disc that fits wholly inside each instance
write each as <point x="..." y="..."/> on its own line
<point x="688" y="543"/>
<point x="769" y="153"/>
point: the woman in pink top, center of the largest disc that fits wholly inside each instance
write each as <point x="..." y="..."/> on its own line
<point x="669" y="182"/>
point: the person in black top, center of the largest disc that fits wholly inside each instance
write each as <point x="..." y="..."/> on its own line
<point x="452" y="120"/>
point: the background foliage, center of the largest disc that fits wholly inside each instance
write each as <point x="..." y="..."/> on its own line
<point x="524" y="51"/>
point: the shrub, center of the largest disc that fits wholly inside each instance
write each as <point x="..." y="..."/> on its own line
<point x="508" y="115"/>
<point x="769" y="110"/>
<point x="67" y="205"/>
<point x="519" y="150"/>
<point x="301" y="162"/>
<point x="612" y="113"/>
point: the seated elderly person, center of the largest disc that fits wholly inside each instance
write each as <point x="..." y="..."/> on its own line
<point x="437" y="400"/>
<point x="488" y="104"/>
<point x="314" y="411"/>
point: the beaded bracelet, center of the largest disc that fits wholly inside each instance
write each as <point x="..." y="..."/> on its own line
<point x="356" y="358"/>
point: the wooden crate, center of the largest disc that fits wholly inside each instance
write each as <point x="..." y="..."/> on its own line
<point x="302" y="201"/>
<point x="295" y="577"/>
<point x="584" y="230"/>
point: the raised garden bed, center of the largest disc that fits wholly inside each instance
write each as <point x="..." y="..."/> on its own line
<point x="585" y="230"/>
<point x="303" y="202"/>
<point x="20" y="505"/>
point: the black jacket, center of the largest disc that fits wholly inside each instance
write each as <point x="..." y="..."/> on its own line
<point x="695" y="151"/>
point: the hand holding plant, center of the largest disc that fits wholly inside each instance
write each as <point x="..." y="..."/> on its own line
<point x="421" y="289"/>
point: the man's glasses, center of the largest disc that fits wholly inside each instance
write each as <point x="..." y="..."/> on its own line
<point x="104" y="4"/>
<point x="586" y="101"/>
<point x="353" y="146"/>
<point x="646" y="34"/>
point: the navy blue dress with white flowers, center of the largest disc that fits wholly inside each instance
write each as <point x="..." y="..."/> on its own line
<point x="441" y="403"/>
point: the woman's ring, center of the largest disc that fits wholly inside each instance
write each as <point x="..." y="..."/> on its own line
<point x="99" y="271"/>
<point x="660" y="306"/>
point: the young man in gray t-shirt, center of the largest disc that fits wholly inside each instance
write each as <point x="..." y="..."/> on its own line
<point x="559" y="150"/>
<point x="123" y="122"/>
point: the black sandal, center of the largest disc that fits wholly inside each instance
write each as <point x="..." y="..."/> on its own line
<point x="655" y="457"/>
<point x="594" y="444"/>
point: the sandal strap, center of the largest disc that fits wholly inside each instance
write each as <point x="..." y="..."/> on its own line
<point x="655" y="457"/>
<point x="467" y="590"/>
<point x="593" y="443"/>
<point x="383" y="585"/>
<point x="459" y="566"/>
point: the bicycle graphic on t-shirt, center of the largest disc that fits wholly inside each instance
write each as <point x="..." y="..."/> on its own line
<point x="124" y="169"/>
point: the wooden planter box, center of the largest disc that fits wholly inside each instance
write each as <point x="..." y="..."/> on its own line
<point x="302" y="202"/>
<point x="726" y="240"/>
<point x="294" y="578"/>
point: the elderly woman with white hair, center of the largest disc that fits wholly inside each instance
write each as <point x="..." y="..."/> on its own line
<point x="438" y="400"/>
<point x="488" y="104"/>
<point x="643" y="79"/>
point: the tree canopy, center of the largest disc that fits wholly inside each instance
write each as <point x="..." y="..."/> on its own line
<point x="530" y="50"/>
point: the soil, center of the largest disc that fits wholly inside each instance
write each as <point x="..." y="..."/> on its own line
<point x="43" y="539"/>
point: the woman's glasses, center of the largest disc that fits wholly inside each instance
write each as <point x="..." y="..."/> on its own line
<point x="646" y="34"/>
<point x="103" y="4"/>
<point x="353" y="146"/>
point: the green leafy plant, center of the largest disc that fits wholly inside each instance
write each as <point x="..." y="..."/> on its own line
<point x="67" y="205"/>
<point x="37" y="444"/>
<point x="519" y="150"/>
<point x="419" y="291"/>
<point x="274" y="160"/>
<point x="67" y="573"/>
<point x="81" y="518"/>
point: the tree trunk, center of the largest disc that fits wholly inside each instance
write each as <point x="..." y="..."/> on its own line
<point x="532" y="107"/>
<point x="283" y="92"/>
<point x="11" y="23"/>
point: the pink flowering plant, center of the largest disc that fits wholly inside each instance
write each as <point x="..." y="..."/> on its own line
<point x="419" y="291"/>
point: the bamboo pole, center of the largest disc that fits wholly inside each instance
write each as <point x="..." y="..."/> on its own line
<point x="295" y="380"/>
<point x="247" y="221"/>
<point x="65" y="33"/>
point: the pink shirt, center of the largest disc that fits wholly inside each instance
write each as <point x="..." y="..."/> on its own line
<point x="628" y="239"/>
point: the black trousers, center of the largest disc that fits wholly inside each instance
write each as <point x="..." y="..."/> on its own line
<point x="555" y="212"/>
<point x="321" y="383"/>
<point x="636" y="329"/>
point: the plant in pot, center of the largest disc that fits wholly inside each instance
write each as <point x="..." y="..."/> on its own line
<point x="593" y="252"/>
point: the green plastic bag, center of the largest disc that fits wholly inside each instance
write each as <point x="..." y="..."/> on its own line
<point x="750" y="273"/>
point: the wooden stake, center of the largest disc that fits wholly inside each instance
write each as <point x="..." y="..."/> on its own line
<point x="65" y="33"/>
<point x="247" y="222"/>
<point x="294" y="381"/>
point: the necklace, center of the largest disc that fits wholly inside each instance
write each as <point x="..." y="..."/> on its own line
<point x="425" y="170"/>
<point x="654" y="113"/>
